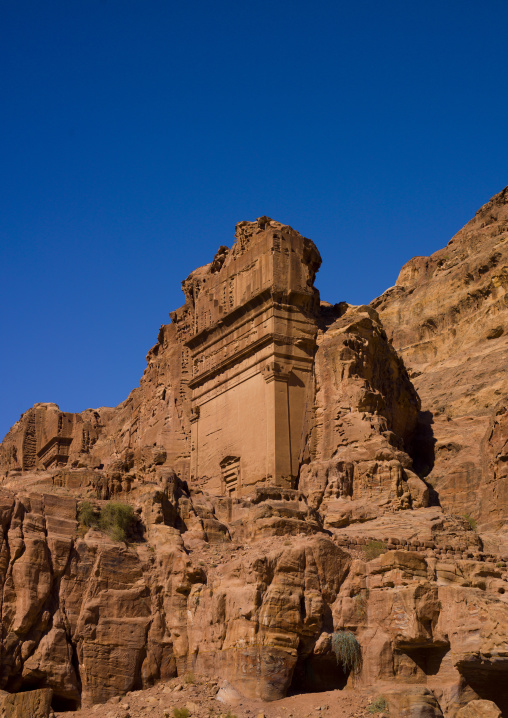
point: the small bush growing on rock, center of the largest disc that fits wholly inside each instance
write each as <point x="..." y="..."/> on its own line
<point x="471" y="521"/>
<point x="378" y="706"/>
<point x="181" y="713"/>
<point x="189" y="678"/>
<point x="86" y="514"/>
<point x="373" y="549"/>
<point x="116" y="519"/>
<point x="347" y="651"/>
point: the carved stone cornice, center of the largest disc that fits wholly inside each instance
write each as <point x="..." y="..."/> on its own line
<point x="274" y="371"/>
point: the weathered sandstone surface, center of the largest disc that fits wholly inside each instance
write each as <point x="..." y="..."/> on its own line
<point x="364" y="416"/>
<point x="274" y="457"/>
<point x="447" y="317"/>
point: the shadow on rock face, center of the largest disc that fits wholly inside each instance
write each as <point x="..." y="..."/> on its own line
<point x="315" y="674"/>
<point x="422" y="446"/>
<point x="427" y="658"/>
<point x="423" y="451"/>
<point x="489" y="679"/>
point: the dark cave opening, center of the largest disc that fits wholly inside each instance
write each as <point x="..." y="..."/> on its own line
<point x="317" y="673"/>
<point x="427" y="658"/>
<point x="489" y="682"/>
<point x="59" y="703"/>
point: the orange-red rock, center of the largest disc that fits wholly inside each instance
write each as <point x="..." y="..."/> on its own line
<point x="447" y="317"/>
<point x="273" y="455"/>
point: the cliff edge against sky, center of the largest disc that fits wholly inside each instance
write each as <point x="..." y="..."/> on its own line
<point x="297" y="471"/>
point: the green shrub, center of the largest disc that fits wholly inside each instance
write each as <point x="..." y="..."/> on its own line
<point x="116" y="519"/>
<point x="181" y="713"/>
<point x="189" y="678"/>
<point x="373" y="549"/>
<point x="378" y="706"/>
<point x="86" y="514"/>
<point x="471" y="521"/>
<point x="347" y="651"/>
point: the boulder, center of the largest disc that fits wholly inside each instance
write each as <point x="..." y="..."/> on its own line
<point x="30" y="704"/>
<point x="479" y="709"/>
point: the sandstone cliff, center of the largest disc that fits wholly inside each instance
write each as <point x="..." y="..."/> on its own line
<point x="447" y="317"/>
<point x="273" y="457"/>
<point x="364" y="415"/>
<point x="92" y="618"/>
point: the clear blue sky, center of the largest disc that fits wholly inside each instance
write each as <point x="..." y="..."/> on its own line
<point x="134" y="134"/>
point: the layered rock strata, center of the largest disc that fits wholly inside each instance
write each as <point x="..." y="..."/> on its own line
<point x="447" y="317"/>
<point x="364" y="416"/>
<point x="272" y="456"/>
<point x="91" y="618"/>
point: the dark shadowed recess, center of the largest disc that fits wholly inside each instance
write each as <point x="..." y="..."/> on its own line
<point x="422" y="451"/>
<point x="315" y="674"/>
<point x="489" y="679"/>
<point x="58" y="703"/>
